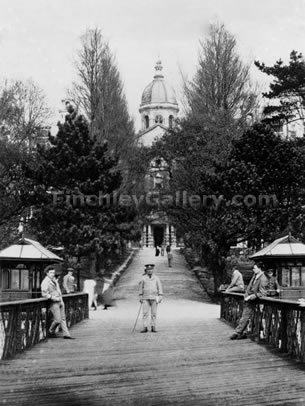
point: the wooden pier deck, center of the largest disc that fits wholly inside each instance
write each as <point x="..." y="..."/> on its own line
<point x="191" y="360"/>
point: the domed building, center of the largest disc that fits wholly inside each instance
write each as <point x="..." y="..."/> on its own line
<point x="158" y="108"/>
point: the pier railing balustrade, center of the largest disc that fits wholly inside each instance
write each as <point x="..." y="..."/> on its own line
<point x="25" y="323"/>
<point x="278" y="322"/>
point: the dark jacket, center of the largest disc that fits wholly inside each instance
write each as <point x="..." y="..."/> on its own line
<point x="257" y="286"/>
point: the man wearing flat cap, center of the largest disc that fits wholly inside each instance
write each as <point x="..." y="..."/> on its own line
<point x="150" y="295"/>
<point x="50" y="290"/>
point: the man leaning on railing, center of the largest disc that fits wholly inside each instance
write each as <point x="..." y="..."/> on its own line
<point x="51" y="290"/>
<point x="257" y="288"/>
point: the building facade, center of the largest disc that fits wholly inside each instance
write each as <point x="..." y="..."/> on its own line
<point x="158" y="109"/>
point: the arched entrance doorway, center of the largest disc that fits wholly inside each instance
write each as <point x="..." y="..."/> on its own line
<point x="157" y="232"/>
<point x="158" y="235"/>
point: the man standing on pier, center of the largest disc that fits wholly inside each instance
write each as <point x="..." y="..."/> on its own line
<point x="257" y="288"/>
<point x="150" y="295"/>
<point x="51" y="290"/>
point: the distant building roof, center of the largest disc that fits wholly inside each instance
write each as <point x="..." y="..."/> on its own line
<point x="28" y="250"/>
<point x="159" y="91"/>
<point x="286" y="246"/>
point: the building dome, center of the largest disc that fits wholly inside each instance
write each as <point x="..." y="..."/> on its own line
<point x="158" y="91"/>
<point x="158" y="108"/>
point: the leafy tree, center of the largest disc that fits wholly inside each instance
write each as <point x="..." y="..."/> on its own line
<point x="253" y="195"/>
<point x="7" y="110"/>
<point x="73" y="179"/>
<point x="287" y="91"/>
<point x="14" y="188"/>
<point x="99" y="93"/>
<point x="192" y="153"/>
<point x="23" y="112"/>
<point x="269" y="171"/>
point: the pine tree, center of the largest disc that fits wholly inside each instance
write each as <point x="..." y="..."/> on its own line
<point x="286" y="90"/>
<point x="71" y="179"/>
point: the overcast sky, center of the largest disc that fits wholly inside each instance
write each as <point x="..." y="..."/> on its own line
<point x="39" y="38"/>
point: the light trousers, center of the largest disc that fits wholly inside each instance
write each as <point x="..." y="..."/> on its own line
<point x="152" y="305"/>
<point x="247" y="313"/>
<point x="59" y="316"/>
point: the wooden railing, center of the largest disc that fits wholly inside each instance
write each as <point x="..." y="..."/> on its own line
<point x="25" y="323"/>
<point x="278" y="322"/>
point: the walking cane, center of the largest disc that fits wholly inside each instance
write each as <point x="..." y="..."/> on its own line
<point x="137" y="318"/>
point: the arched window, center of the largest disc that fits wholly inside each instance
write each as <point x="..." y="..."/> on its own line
<point x="146" y="121"/>
<point x="159" y="119"/>
<point x="170" y="121"/>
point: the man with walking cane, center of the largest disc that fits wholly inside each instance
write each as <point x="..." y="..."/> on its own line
<point x="134" y="327"/>
<point x="150" y="295"/>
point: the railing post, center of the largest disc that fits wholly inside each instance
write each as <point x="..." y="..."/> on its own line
<point x="222" y="305"/>
<point x="18" y="336"/>
<point x="23" y="320"/>
<point x="283" y="333"/>
<point x="302" y="350"/>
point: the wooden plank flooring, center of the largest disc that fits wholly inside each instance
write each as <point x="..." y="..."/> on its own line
<point x="191" y="360"/>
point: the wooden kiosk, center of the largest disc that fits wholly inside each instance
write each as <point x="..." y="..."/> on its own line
<point x="286" y="256"/>
<point x="21" y="269"/>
